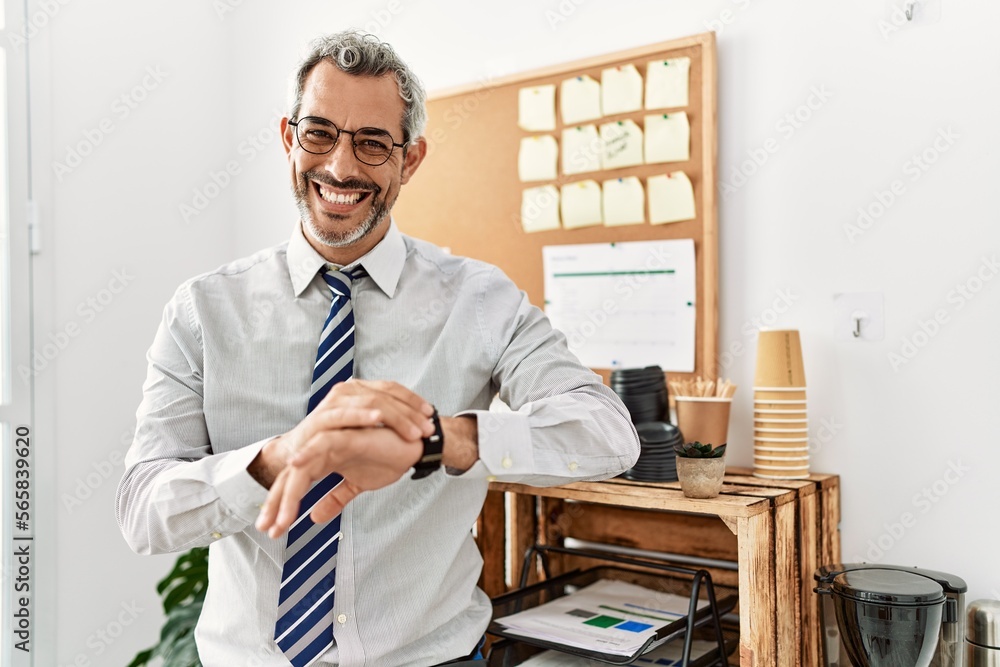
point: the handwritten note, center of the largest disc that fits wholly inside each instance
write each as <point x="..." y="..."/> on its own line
<point x="622" y="144"/>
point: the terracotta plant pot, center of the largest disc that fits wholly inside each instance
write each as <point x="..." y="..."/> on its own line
<point x="701" y="478"/>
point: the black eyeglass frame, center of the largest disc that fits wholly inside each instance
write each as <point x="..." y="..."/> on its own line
<point x="354" y="146"/>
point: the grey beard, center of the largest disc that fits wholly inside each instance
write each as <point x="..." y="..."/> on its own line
<point x="332" y="239"/>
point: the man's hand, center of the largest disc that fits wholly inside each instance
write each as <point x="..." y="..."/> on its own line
<point x="325" y="441"/>
<point x="351" y="404"/>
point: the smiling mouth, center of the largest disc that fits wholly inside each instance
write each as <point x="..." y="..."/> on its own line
<point x="341" y="197"/>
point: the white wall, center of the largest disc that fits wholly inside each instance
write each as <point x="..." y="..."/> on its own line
<point x="895" y="430"/>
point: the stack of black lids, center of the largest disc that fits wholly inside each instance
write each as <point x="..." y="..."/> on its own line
<point x="657" y="460"/>
<point x="644" y="393"/>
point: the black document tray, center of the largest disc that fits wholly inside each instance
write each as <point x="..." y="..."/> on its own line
<point x="680" y="581"/>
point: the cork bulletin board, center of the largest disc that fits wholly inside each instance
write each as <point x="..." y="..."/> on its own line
<point x="466" y="196"/>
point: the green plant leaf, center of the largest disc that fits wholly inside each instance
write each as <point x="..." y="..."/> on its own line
<point x="142" y="658"/>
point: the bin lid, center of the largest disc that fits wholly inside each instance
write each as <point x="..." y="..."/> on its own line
<point x="983" y="627"/>
<point x="888" y="587"/>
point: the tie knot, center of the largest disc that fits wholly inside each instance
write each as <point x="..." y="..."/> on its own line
<point x="340" y="281"/>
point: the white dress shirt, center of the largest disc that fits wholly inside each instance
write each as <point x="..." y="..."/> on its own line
<point x="230" y="368"/>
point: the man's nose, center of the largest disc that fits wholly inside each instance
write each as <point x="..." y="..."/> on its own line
<point x="340" y="161"/>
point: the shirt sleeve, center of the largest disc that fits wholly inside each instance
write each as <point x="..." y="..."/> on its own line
<point x="566" y="424"/>
<point x="176" y="493"/>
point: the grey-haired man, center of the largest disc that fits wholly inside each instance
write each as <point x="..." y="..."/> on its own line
<point x="239" y="420"/>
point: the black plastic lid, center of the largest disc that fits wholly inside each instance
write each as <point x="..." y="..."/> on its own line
<point x="888" y="587"/>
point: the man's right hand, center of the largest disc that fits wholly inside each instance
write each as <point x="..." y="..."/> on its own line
<point x="350" y="404"/>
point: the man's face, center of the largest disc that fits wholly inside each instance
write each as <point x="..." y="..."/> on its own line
<point x="344" y="203"/>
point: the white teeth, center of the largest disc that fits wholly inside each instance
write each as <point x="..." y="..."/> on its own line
<point x="335" y="198"/>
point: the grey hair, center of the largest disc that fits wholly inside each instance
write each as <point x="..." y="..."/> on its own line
<point x="363" y="54"/>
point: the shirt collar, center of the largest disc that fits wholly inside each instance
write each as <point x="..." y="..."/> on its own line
<point x="384" y="262"/>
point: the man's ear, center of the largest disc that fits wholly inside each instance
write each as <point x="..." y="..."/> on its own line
<point x="287" y="135"/>
<point x="416" y="151"/>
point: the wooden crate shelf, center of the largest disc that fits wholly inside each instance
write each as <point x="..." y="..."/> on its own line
<point x="777" y="532"/>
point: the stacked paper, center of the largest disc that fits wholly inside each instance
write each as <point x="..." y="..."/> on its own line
<point x="612" y="617"/>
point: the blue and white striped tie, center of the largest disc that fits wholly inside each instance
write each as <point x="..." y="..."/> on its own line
<point x="304" y="630"/>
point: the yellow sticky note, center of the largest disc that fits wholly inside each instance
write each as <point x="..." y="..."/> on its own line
<point x="581" y="149"/>
<point x="579" y="100"/>
<point x="621" y="90"/>
<point x="671" y="198"/>
<point x="581" y="204"/>
<point x="668" y="137"/>
<point x="622" y="144"/>
<point x="536" y="108"/>
<point x="667" y="83"/>
<point x="536" y="161"/>
<point x="623" y="201"/>
<point x="540" y="209"/>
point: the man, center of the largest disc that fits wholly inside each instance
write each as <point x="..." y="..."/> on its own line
<point x="368" y="330"/>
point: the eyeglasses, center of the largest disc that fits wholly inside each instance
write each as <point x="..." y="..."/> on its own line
<point x="318" y="136"/>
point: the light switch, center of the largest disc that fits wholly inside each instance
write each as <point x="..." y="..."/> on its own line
<point x="859" y="315"/>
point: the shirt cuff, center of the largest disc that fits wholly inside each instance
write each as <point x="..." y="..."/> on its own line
<point x="504" y="445"/>
<point x="241" y="493"/>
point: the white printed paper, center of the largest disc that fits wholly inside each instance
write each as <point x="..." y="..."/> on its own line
<point x="581" y="150"/>
<point x="671" y="198"/>
<point x="607" y="616"/>
<point x="536" y="108"/>
<point x="579" y="100"/>
<point x="621" y="90"/>
<point x="624" y="202"/>
<point x="581" y="204"/>
<point x="624" y="305"/>
<point x="668" y="137"/>
<point x="667" y="83"/>
<point x="622" y="144"/>
<point x="540" y="209"/>
<point x="537" y="158"/>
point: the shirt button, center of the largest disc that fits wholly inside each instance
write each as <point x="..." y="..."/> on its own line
<point x="216" y="535"/>
<point x="342" y="619"/>
<point x="491" y="478"/>
<point x="507" y="462"/>
<point x="573" y="466"/>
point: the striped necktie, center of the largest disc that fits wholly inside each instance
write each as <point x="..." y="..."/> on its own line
<point x="304" y="630"/>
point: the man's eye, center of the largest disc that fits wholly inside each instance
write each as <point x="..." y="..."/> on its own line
<point x="319" y="135"/>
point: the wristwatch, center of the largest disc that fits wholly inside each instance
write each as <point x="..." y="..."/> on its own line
<point x="433" y="451"/>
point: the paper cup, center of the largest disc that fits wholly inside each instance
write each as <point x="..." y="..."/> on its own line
<point x="793" y="410"/>
<point x="703" y="419"/>
<point x="798" y="395"/>
<point x="781" y="466"/>
<point x="779" y="359"/>
<point x="781" y="439"/>
<point x="775" y="430"/>
<point x="772" y="474"/>
<point x="766" y="450"/>
<point x="780" y="456"/>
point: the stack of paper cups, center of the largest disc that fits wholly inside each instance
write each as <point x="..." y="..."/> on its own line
<point x="780" y="425"/>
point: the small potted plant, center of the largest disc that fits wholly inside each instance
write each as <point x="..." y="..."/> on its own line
<point x="700" y="469"/>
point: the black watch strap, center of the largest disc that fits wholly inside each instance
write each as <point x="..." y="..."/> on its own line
<point x="433" y="451"/>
